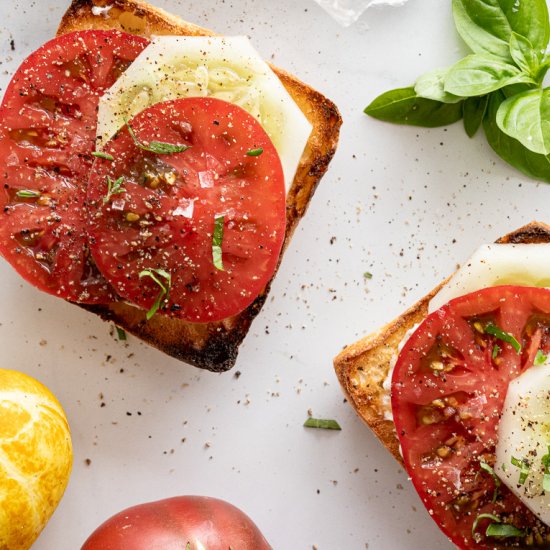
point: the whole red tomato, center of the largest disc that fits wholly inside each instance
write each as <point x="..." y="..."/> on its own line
<point x="179" y="523"/>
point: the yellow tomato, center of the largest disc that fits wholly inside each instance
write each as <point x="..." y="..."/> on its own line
<point x="35" y="458"/>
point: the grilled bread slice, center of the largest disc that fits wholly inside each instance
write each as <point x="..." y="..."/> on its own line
<point x="211" y="346"/>
<point x="363" y="366"/>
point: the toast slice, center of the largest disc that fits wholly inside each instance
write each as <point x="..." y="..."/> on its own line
<point x="363" y="366"/>
<point x="211" y="346"/>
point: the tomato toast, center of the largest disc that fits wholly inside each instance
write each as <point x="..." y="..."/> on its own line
<point x="363" y="366"/>
<point x="208" y="339"/>
<point x="448" y="388"/>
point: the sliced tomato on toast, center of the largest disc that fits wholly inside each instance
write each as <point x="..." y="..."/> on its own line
<point x="448" y="390"/>
<point x="188" y="219"/>
<point x="47" y="135"/>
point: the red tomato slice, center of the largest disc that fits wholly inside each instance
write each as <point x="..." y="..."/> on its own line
<point x="47" y="134"/>
<point x="448" y="391"/>
<point x="165" y="219"/>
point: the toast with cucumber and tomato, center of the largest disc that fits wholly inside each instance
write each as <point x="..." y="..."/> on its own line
<point x="154" y="172"/>
<point x="458" y="390"/>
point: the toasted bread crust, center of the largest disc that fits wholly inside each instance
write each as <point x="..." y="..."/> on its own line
<point x="212" y="346"/>
<point x="363" y="366"/>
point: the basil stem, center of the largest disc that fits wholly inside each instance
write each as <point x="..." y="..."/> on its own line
<point x="484" y="466"/>
<point x="113" y="188"/>
<point x="101" y="155"/>
<point x="28" y="194"/>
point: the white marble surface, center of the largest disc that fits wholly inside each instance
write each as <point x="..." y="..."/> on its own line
<point x="406" y="204"/>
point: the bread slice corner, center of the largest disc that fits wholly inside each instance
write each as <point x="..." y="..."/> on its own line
<point x="363" y="366"/>
<point x="212" y="346"/>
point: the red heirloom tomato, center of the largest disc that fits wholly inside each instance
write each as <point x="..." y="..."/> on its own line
<point x="179" y="523"/>
<point x="189" y="217"/>
<point x="47" y="134"/>
<point x="448" y="391"/>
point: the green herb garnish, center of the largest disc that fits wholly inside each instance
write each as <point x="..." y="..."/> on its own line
<point x="503" y="530"/>
<point x="546" y="478"/>
<point x="540" y="358"/>
<point x="483" y="516"/>
<point x="113" y="188"/>
<point x="324" y="424"/>
<point x="120" y="333"/>
<point x="162" y="298"/>
<point x="484" y="466"/>
<point x="28" y="194"/>
<point x="158" y="147"/>
<point x="101" y="155"/>
<point x="217" y="239"/>
<point x="524" y="467"/>
<point x="496" y="351"/>
<point x="254" y="152"/>
<point x="504" y="336"/>
<point x="499" y="86"/>
<point x="497" y="529"/>
<point x="367" y="275"/>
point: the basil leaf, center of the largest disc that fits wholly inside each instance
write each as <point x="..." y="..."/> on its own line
<point x="526" y="117"/>
<point x="162" y="298"/>
<point x="480" y="74"/>
<point x="484" y="466"/>
<point x="524" y="469"/>
<point x="503" y="530"/>
<point x="512" y="151"/>
<point x="504" y="336"/>
<point x="431" y="86"/>
<point x="540" y="358"/>
<point x="120" y="333"/>
<point x="322" y="423"/>
<point x="523" y="54"/>
<point x="217" y="239"/>
<point x="101" y="155"/>
<point x="486" y="25"/>
<point x="473" y="111"/>
<point x="403" y="106"/>
<point x="496" y="351"/>
<point x="483" y="516"/>
<point x="254" y="152"/>
<point x="158" y="147"/>
<point x="28" y="194"/>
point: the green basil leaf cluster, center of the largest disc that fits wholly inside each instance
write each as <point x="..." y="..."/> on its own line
<point x="498" y="86"/>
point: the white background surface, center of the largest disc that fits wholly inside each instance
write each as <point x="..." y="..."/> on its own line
<point x="405" y="204"/>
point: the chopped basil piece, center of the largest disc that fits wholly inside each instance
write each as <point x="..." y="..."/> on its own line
<point x="540" y="358"/>
<point x="546" y="478"/>
<point x="483" y="516"/>
<point x="322" y="423"/>
<point x="367" y="275"/>
<point x="28" y="194"/>
<point x="104" y="156"/>
<point x="162" y="297"/>
<point x="254" y="152"/>
<point x="504" y="336"/>
<point x="217" y="239"/>
<point x="488" y="469"/>
<point x="158" y="147"/>
<point x="503" y="530"/>
<point x="120" y="333"/>
<point x="524" y="467"/>
<point x="113" y="188"/>
<point x="496" y="351"/>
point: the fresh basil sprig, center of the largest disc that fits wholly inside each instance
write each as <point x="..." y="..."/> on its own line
<point x="498" y="86"/>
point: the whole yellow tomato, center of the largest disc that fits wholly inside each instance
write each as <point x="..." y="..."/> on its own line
<point x="35" y="458"/>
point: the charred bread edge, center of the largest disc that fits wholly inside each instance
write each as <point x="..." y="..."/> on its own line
<point x="369" y="358"/>
<point x="212" y="346"/>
